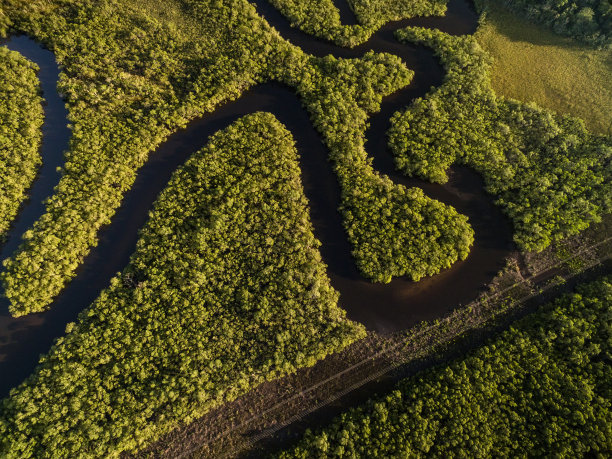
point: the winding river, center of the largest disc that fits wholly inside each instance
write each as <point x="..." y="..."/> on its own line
<point x="381" y="307"/>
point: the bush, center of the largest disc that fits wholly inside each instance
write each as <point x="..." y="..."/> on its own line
<point x="134" y="75"/>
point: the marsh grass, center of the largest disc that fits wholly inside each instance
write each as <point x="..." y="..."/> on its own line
<point x="532" y="64"/>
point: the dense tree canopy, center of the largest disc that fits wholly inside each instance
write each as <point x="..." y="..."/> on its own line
<point x="225" y="290"/>
<point x="21" y="117"/>
<point x="130" y="77"/>
<point x="543" y="388"/>
<point x="322" y="19"/>
<point x="553" y="178"/>
<point x="374" y="13"/>
<point x="134" y="73"/>
<point x="586" y="20"/>
<point x="395" y="231"/>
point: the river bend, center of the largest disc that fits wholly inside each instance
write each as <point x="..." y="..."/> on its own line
<point x="381" y="307"/>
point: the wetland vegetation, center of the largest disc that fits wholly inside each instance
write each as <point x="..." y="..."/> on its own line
<point x="125" y="101"/>
<point x="322" y="19"/>
<point x="551" y="176"/>
<point x="226" y="287"/>
<point x="21" y="115"/>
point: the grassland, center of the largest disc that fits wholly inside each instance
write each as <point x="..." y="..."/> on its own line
<point x="533" y="64"/>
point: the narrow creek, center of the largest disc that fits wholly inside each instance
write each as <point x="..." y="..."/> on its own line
<point x="381" y="307"/>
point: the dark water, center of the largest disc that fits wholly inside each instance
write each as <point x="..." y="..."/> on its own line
<point x="347" y="17"/>
<point x="380" y="307"/>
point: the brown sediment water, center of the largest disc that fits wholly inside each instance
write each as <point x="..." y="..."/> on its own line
<point x="381" y="307"/>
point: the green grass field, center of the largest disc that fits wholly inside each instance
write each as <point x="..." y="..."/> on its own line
<point x="534" y="64"/>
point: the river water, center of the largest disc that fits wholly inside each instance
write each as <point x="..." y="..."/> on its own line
<point x="381" y="307"/>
